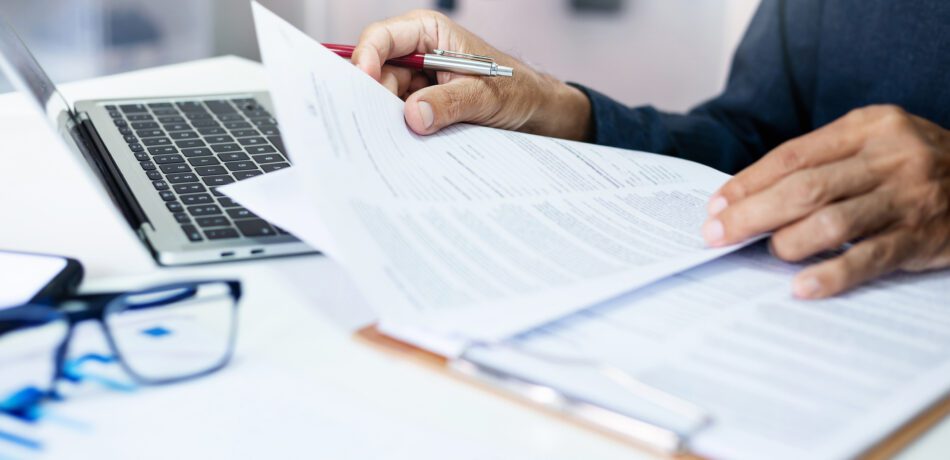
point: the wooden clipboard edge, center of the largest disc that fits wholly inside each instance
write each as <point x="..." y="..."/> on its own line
<point x="911" y="431"/>
<point x="371" y="336"/>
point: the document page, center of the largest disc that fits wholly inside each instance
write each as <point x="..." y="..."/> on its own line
<point x="780" y="378"/>
<point x="474" y="231"/>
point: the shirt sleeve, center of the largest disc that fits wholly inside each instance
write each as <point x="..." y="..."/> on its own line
<point x="761" y="107"/>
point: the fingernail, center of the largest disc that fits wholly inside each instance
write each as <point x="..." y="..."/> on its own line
<point x="713" y="232"/>
<point x="716" y="205"/>
<point x="427" y="116"/>
<point x="806" y="288"/>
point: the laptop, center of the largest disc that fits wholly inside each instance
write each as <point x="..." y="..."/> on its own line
<point x="161" y="161"/>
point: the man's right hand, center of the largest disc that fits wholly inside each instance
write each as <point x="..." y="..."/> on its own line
<point x="529" y="101"/>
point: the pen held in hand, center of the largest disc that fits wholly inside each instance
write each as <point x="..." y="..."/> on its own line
<point x="440" y="60"/>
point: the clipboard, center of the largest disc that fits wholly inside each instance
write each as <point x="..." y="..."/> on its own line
<point x="626" y="428"/>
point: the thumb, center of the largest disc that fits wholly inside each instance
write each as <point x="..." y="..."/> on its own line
<point x="458" y="100"/>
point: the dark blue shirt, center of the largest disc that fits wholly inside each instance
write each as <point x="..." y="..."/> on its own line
<point x="801" y="65"/>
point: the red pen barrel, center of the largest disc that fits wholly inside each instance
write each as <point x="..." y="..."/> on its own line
<point x="412" y="61"/>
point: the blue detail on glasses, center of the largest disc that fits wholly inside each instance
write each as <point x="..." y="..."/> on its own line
<point x="157" y="332"/>
<point x="20" y="441"/>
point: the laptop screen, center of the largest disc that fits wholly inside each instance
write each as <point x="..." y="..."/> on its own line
<point x="26" y="74"/>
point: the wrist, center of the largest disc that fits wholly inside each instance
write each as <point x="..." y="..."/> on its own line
<point x="563" y="111"/>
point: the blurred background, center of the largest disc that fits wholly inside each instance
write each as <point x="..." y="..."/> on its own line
<point x="671" y="53"/>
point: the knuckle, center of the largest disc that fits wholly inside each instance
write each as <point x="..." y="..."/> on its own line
<point x="835" y="227"/>
<point x="920" y="161"/>
<point x="809" y="190"/>
<point x="791" y="158"/>
<point x="781" y="246"/>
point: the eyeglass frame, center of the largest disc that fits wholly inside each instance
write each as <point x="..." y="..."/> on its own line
<point x="94" y="307"/>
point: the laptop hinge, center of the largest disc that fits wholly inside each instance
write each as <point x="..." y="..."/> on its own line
<point x="87" y="139"/>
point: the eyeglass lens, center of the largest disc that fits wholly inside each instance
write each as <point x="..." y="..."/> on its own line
<point x="175" y="332"/>
<point x="27" y="364"/>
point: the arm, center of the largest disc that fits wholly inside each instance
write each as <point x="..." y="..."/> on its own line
<point x="762" y="105"/>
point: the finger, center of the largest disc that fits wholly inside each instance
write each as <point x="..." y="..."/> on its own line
<point x="838" y="139"/>
<point x="865" y="261"/>
<point x="394" y="37"/>
<point x="435" y="107"/>
<point x="792" y="198"/>
<point x="396" y="79"/>
<point x="834" y="225"/>
<point x="419" y="81"/>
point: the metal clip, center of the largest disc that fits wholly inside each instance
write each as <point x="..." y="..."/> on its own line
<point x="474" y="57"/>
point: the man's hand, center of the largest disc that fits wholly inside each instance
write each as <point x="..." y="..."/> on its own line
<point x="878" y="177"/>
<point x="528" y="101"/>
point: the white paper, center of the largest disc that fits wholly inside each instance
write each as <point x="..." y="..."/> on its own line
<point x="474" y="231"/>
<point x="781" y="378"/>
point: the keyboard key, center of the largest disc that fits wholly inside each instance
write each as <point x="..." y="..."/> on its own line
<point x="149" y="133"/>
<point x="170" y="127"/>
<point x="140" y="117"/>
<point x="198" y="152"/>
<point x="170" y="120"/>
<point x="271" y="167"/>
<point x="153" y="141"/>
<point x="147" y="165"/>
<point x="175" y="168"/>
<point x="166" y="159"/>
<point x="190" y="143"/>
<point x="120" y="122"/>
<point x="217" y="181"/>
<point x="215" y="192"/>
<point x="143" y="125"/>
<point x="199" y="198"/>
<point x="221" y="233"/>
<point x="243" y="101"/>
<point x="211" y="170"/>
<point x="234" y="156"/>
<point x="226" y="148"/>
<point x="142" y="156"/>
<point x="259" y="149"/>
<point x="192" y="232"/>
<point x="240" y="213"/>
<point x="255" y="227"/>
<point x="245" y="133"/>
<point x="271" y="158"/>
<point x="110" y="107"/>
<point x="270" y="131"/>
<point x="173" y="206"/>
<point x="219" y="107"/>
<point x="264" y="122"/>
<point x="241" y="175"/>
<point x="205" y="124"/>
<point x="204" y="210"/>
<point x="231" y="125"/>
<point x="125" y="130"/>
<point x="153" y="175"/>
<point x="133" y="108"/>
<point x="219" y="139"/>
<point x="212" y="131"/>
<point x="198" y="116"/>
<point x="130" y="139"/>
<point x="213" y="221"/>
<point x="257" y="114"/>
<point x="115" y="114"/>
<point x="204" y="161"/>
<point x="278" y="142"/>
<point x="160" y="105"/>
<point x="184" y="189"/>
<point x="165" y="112"/>
<point x="227" y="202"/>
<point x="252" y="141"/>
<point x="178" y="135"/>
<point x="162" y="150"/>
<point x="160" y="185"/>
<point x="167" y="195"/>
<point x="181" y="217"/>
<point x="181" y="178"/>
<point x="191" y="106"/>
<point x="241" y="166"/>
<point x="230" y="117"/>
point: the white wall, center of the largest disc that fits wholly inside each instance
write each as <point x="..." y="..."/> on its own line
<point x="671" y="53"/>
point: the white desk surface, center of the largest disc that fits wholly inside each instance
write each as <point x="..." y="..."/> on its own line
<point x="295" y="310"/>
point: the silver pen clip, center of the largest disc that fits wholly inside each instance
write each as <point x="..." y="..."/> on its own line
<point x="474" y="57"/>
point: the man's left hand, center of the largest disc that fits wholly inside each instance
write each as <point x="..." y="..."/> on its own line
<point x="877" y="177"/>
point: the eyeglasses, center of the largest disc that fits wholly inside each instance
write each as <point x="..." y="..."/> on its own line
<point x="160" y="335"/>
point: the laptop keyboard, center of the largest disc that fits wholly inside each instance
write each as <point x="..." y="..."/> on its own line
<point x="188" y="149"/>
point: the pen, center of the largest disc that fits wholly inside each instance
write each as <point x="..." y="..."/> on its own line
<point x="440" y="60"/>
